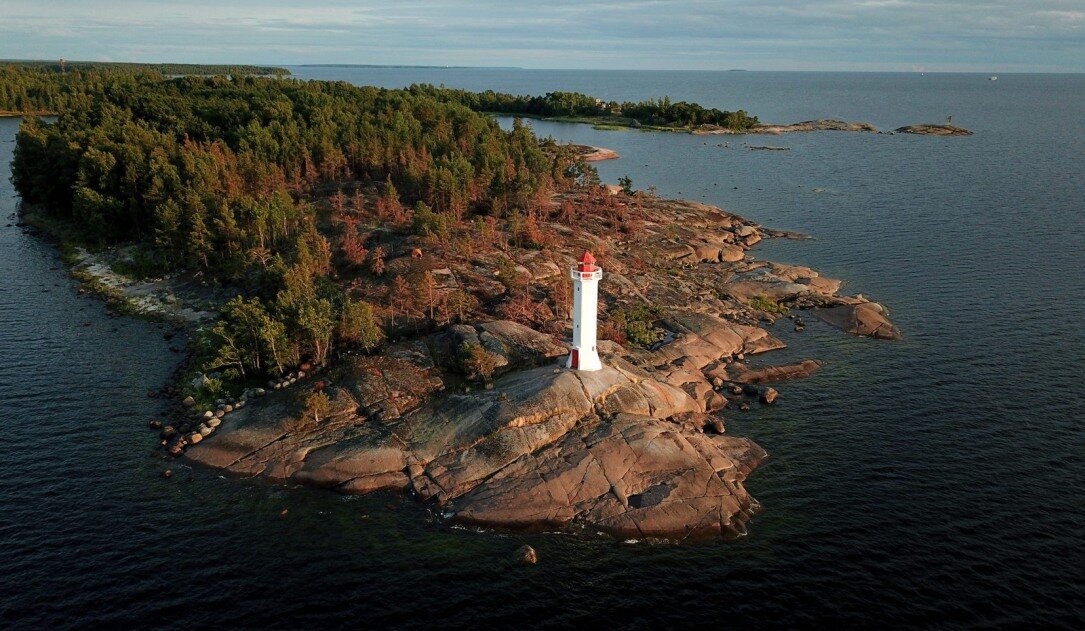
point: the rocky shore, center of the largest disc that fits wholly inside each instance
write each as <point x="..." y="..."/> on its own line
<point x="636" y="450"/>
<point x="182" y="299"/>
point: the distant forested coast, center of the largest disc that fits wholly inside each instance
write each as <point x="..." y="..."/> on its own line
<point x="661" y="113"/>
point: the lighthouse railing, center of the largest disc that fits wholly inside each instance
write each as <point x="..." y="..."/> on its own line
<point x="577" y="274"/>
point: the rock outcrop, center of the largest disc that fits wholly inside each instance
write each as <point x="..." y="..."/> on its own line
<point x="621" y="450"/>
<point x="740" y="373"/>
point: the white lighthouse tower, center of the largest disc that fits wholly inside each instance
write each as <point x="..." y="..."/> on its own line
<point x="586" y="277"/>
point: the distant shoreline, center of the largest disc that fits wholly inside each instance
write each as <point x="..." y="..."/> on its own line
<point x="613" y="123"/>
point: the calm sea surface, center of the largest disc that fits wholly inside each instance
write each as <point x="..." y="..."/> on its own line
<point x="935" y="481"/>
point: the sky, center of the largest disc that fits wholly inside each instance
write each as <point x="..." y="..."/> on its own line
<point x="874" y="35"/>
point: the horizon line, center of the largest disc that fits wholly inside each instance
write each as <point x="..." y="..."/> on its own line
<point x="577" y="69"/>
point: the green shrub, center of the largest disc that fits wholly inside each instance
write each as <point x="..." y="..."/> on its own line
<point x="476" y="362"/>
<point x="638" y="324"/>
<point x="762" y="303"/>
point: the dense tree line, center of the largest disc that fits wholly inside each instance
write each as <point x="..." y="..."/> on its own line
<point x="211" y="168"/>
<point x="234" y="177"/>
<point x="63" y="65"/>
<point x="650" y="112"/>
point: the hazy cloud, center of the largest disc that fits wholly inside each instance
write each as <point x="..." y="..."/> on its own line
<point x="1039" y="35"/>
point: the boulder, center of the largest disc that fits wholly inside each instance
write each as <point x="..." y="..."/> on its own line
<point x="769" y="395"/>
<point x="188" y="402"/>
<point x="524" y="346"/>
<point x="706" y="253"/>
<point x="731" y="253"/>
<point x="526" y="555"/>
<point x="864" y="319"/>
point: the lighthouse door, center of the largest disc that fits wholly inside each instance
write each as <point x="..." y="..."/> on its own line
<point x="576" y="359"/>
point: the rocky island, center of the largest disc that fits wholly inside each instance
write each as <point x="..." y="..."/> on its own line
<point x="638" y="449"/>
<point x="383" y="292"/>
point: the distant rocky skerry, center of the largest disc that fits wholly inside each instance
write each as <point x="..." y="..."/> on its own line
<point x="636" y="450"/>
<point x="934" y="130"/>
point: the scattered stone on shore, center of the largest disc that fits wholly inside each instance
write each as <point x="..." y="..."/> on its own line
<point x="526" y="555"/>
<point x="188" y="402"/>
<point x="769" y="395"/>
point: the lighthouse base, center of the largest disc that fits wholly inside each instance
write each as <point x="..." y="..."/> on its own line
<point x="583" y="359"/>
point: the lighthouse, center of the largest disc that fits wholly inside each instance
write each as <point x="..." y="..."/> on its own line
<point x="585" y="275"/>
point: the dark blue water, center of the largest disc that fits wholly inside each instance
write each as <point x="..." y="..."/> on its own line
<point x="936" y="481"/>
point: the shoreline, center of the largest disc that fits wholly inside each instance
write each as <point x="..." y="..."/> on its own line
<point x="150" y="298"/>
<point x="605" y="123"/>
